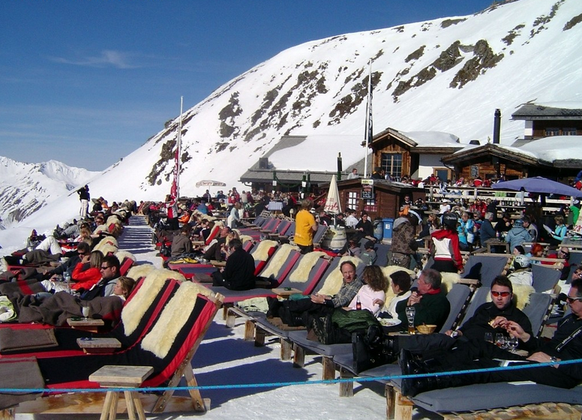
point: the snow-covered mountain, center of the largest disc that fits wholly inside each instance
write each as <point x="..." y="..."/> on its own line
<point x="446" y="75"/>
<point x="27" y="187"/>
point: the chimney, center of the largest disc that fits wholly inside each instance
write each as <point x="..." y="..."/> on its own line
<point x="496" y="126"/>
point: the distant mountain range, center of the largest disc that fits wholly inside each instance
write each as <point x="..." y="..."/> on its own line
<point x="27" y="187"/>
<point x="447" y="75"/>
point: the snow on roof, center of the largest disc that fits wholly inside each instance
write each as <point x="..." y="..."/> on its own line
<point x="433" y="138"/>
<point x="319" y="152"/>
<point x="554" y="148"/>
<point x="561" y="104"/>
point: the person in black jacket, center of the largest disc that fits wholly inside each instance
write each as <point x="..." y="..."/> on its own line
<point x="566" y="344"/>
<point x="84" y="198"/>
<point x="239" y="272"/>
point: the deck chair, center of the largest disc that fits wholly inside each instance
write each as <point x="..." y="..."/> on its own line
<point x="297" y="339"/>
<point x="141" y="308"/>
<point x="459" y="297"/>
<point x="126" y="260"/>
<point x="382" y="254"/>
<point x="258" y="327"/>
<point x="262" y="253"/>
<point x="168" y="346"/>
<point x="492" y="265"/>
<point x="319" y="234"/>
<point x="545" y="278"/>
<point x="308" y="271"/>
<point x="277" y="269"/>
<point x="538" y="310"/>
<point x="522" y="400"/>
<point x="280" y="229"/>
<point x="479" y="298"/>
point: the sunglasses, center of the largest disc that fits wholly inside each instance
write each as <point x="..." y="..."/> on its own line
<point x="502" y="294"/>
<point x="573" y="299"/>
<point x="104" y="268"/>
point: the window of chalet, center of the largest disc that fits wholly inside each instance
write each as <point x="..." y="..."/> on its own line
<point x="352" y="199"/>
<point x="370" y="206"/>
<point x="569" y="131"/>
<point x="392" y="164"/>
<point x="552" y="131"/>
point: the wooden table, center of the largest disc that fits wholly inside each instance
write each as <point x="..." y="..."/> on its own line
<point x="98" y="345"/>
<point x="112" y="376"/>
<point x="285" y="292"/>
<point x="497" y="242"/>
<point x="89" y="324"/>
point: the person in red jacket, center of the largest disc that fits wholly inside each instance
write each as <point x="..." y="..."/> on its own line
<point x="444" y="246"/>
<point x="87" y="272"/>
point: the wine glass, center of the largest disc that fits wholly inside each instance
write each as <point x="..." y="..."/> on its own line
<point x="489" y="337"/>
<point x="410" y="313"/>
<point x="500" y="340"/>
<point x="85" y="310"/>
<point x="512" y="343"/>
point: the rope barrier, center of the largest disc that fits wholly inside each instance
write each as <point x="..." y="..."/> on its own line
<point x="291" y="383"/>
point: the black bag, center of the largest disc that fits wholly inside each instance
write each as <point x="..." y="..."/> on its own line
<point x="165" y="250"/>
<point x="369" y="351"/>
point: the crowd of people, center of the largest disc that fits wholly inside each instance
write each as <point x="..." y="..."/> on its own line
<point x="71" y="266"/>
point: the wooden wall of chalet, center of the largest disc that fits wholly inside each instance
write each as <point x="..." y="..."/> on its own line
<point x="488" y="171"/>
<point x="387" y="202"/>
<point x="394" y="148"/>
<point x="539" y="127"/>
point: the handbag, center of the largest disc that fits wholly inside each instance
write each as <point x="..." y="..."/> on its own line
<point x="367" y="355"/>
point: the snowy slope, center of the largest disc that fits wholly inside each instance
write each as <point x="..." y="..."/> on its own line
<point x="27" y="187"/>
<point x="446" y="75"/>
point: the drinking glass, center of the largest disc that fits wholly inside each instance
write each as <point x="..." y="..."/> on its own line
<point x="489" y="337"/>
<point x="410" y="313"/>
<point x="500" y="340"/>
<point x="512" y="343"/>
<point x="85" y="311"/>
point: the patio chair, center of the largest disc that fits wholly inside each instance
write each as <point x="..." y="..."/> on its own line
<point x="168" y="346"/>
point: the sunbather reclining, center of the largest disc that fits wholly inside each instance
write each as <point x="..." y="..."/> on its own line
<point x="302" y="311"/>
<point x="565" y="345"/>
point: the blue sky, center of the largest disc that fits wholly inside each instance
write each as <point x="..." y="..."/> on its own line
<point x="87" y="82"/>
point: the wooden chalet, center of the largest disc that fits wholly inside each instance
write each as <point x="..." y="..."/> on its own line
<point x="546" y="129"/>
<point x="414" y="154"/>
<point x="381" y="199"/>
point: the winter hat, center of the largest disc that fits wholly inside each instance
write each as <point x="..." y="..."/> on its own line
<point x="518" y="223"/>
<point x="450" y="220"/>
<point x="521" y="261"/>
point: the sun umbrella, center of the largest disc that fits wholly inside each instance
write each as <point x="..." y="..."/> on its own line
<point x="332" y="204"/>
<point x="209" y="183"/>
<point x="538" y="185"/>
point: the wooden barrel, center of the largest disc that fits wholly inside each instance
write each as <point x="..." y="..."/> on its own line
<point x="334" y="239"/>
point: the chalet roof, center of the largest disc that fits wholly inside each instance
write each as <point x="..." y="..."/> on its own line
<point x="549" y="111"/>
<point x="432" y="142"/>
<point x="381" y="184"/>
<point x="557" y="151"/>
<point x="286" y="176"/>
<point x="472" y="153"/>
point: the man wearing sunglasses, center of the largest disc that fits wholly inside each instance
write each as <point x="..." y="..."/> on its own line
<point x="491" y="317"/>
<point x="565" y="345"/>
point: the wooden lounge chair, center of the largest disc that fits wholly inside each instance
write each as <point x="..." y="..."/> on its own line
<point x="304" y="277"/>
<point x="139" y="312"/>
<point x="168" y="347"/>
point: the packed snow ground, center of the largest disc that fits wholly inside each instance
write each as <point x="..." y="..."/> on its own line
<point x="224" y="358"/>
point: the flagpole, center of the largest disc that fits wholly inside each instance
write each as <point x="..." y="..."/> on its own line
<point x="368" y="125"/>
<point x="178" y="149"/>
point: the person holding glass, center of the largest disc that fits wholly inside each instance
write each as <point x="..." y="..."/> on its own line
<point x="490" y="320"/>
<point x="429" y="301"/>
